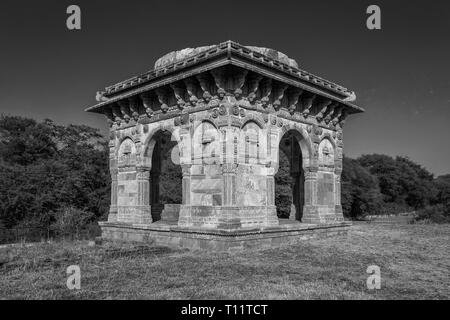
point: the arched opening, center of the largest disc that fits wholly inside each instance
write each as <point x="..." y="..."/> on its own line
<point x="165" y="177"/>
<point x="289" y="179"/>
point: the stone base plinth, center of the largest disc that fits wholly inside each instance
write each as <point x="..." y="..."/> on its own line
<point x="169" y="234"/>
<point x="133" y="214"/>
<point x="227" y="218"/>
<point x="321" y="214"/>
<point x="171" y="212"/>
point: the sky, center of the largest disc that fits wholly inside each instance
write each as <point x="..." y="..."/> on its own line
<point x="401" y="73"/>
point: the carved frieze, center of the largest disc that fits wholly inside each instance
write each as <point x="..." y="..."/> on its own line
<point x="229" y="168"/>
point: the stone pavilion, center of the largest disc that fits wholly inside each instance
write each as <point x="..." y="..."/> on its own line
<point x="222" y="114"/>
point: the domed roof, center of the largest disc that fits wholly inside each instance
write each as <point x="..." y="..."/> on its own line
<point x="178" y="55"/>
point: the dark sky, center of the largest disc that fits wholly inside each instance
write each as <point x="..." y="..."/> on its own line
<point x="401" y="74"/>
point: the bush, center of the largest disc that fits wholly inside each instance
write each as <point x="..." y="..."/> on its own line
<point x="388" y="208"/>
<point x="71" y="221"/>
<point x="4" y="233"/>
<point x="436" y="214"/>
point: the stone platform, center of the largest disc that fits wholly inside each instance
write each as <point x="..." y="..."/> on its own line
<point x="170" y="234"/>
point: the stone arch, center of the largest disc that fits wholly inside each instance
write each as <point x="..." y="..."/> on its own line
<point x="295" y="147"/>
<point x="251" y="118"/>
<point x="156" y="162"/>
<point x="304" y="141"/>
<point x="198" y="123"/>
<point x="149" y="142"/>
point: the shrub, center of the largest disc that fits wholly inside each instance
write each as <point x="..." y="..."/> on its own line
<point x="71" y="221"/>
<point x="388" y="208"/>
<point x="436" y="214"/>
<point x="4" y="233"/>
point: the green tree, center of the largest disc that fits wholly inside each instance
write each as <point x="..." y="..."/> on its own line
<point x="45" y="167"/>
<point x="360" y="191"/>
<point x="442" y="184"/>
<point x="401" y="181"/>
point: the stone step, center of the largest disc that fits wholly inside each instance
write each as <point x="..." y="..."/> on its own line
<point x="171" y="212"/>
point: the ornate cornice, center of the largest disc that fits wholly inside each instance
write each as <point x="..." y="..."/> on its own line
<point x="210" y="60"/>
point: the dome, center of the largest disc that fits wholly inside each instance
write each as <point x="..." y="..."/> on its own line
<point x="178" y="55"/>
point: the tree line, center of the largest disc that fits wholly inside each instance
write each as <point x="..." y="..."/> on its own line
<point x="56" y="178"/>
<point x="380" y="184"/>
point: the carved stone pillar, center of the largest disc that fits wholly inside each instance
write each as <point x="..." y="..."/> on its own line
<point x="184" y="215"/>
<point x="229" y="183"/>
<point x="186" y="188"/>
<point x="271" y="209"/>
<point x="112" y="217"/>
<point x="270" y="189"/>
<point x="310" y="208"/>
<point x="229" y="215"/>
<point x="143" y="201"/>
<point x="337" y="195"/>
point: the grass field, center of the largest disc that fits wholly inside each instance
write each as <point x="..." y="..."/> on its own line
<point x="414" y="262"/>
